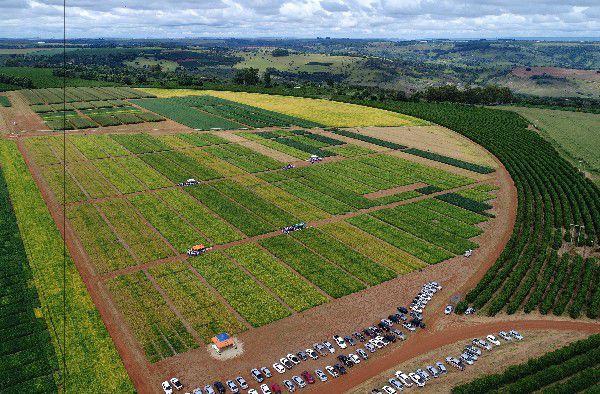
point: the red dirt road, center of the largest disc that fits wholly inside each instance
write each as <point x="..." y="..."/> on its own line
<point x="427" y="341"/>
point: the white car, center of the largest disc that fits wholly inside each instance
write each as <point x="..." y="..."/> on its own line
<point x="279" y="368"/>
<point x="505" y="336"/>
<point x="448" y="310"/>
<point x="321" y="375"/>
<point x="482" y="344"/>
<point x="332" y="371"/>
<point x="312" y="354"/>
<point x="293" y="358"/>
<point x="466" y="359"/>
<point x="516" y="335"/>
<point x="355" y="359"/>
<point x="329" y="347"/>
<point x="265" y="389"/>
<point x="340" y="341"/>
<point x="242" y="382"/>
<point x="232" y="386"/>
<point x="419" y="381"/>
<point x="409" y="327"/>
<point x="404" y="378"/>
<point x="299" y="381"/>
<point x="388" y="390"/>
<point x="176" y="383"/>
<point x="441" y="367"/>
<point x="167" y="387"/>
<point x="377" y="344"/>
<point x="493" y="340"/>
<point x="266" y="372"/>
<point x="252" y="391"/>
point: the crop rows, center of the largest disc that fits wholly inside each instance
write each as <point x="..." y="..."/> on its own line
<point x="350" y="150"/>
<point x="464" y="202"/>
<point x="97" y="146"/>
<point x="295" y="292"/>
<point x="252" y="302"/>
<point x="295" y="206"/>
<point x="205" y="313"/>
<point x="243" y="157"/>
<point x="78" y="94"/>
<point x="417" y="247"/>
<point x="139" y="143"/>
<point x="547" y="373"/>
<point x="4" y="101"/>
<point x="450" y="160"/>
<point x="102" y="246"/>
<point x="156" y="327"/>
<point x="322" y="273"/>
<point x="344" y="257"/>
<point x="371" y="140"/>
<point x="552" y="196"/>
<point x="28" y="361"/>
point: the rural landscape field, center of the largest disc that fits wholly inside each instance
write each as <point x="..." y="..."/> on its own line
<point x="327" y="212"/>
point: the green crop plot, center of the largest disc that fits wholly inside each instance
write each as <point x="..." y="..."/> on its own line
<point x="224" y="168"/>
<point x="253" y="303"/>
<point x="101" y="245"/>
<point x="350" y="150"/>
<point x="452" y="211"/>
<point x="314" y="197"/>
<point x="206" y="314"/>
<point x="295" y="292"/>
<point x="61" y="183"/>
<point x="295" y="206"/>
<point x="154" y="324"/>
<point x="419" y="248"/>
<point x="330" y="278"/>
<point x="93" y="183"/>
<point x="139" y="143"/>
<point x="143" y="172"/>
<point x="345" y="257"/>
<point x="122" y="180"/>
<point x="175" y="230"/>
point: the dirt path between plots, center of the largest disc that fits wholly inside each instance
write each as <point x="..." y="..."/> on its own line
<point x="21" y="113"/>
<point x="127" y="346"/>
<point x="429" y="341"/>
<point x="395" y="190"/>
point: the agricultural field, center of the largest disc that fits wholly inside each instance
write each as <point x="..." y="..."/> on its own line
<point x="296" y="62"/>
<point x="328" y="113"/>
<point x="128" y="212"/>
<point x="573" y="134"/>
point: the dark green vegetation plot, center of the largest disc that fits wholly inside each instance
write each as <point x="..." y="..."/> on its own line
<point x="207" y="112"/>
<point x="27" y="359"/>
<point x="4" y="101"/>
<point x="450" y="160"/>
<point x="570" y="369"/>
<point x="552" y="196"/>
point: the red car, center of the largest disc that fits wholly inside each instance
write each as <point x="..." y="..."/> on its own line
<point x="308" y="377"/>
<point x="276" y="389"/>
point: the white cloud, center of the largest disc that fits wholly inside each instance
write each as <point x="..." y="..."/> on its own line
<point x="301" y="18"/>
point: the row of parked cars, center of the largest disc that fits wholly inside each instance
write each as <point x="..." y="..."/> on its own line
<point x="470" y="354"/>
<point x="372" y="338"/>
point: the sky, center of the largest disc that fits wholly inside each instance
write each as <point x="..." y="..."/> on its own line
<point x="395" y="19"/>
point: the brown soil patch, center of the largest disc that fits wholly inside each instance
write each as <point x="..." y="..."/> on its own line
<point x="394" y="190"/>
<point x="434" y="138"/>
<point x="559" y="72"/>
<point x="21" y="113"/>
<point x="535" y="344"/>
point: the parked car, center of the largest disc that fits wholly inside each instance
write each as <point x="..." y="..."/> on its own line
<point x="456" y="363"/>
<point x="395" y="383"/>
<point x="355" y="359"/>
<point x="242" y="382"/>
<point x="409" y="326"/>
<point x="404" y="379"/>
<point x="473" y="349"/>
<point x="329" y="347"/>
<point x="252" y="391"/>
<point x="275" y="388"/>
<point x="388" y="390"/>
<point x="167" y="387"/>
<point x="358" y="336"/>
<point x="370" y="347"/>
<point x="279" y="368"/>
<point x="516" y="335"/>
<point x="448" y="309"/>
<point x="299" y="381"/>
<point x="423" y="374"/>
<point x="441" y="367"/>
<point x="332" y="371"/>
<point x="312" y="354"/>
<point x="402" y="309"/>
<point x="433" y="371"/>
<point x="469" y="311"/>
<point x="259" y="377"/>
<point x="232" y="386"/>
<point x="340" y="342"/>
<point x="419" y="381"/>
<point x="320" y="349"/>
<point x="265" y="389"/>
<point x="289" y="385"/>
<point x="293" y="358"/>
<point x="321" y="375"/>
<point x="467" y="359"/>
<point x="362" y="353"/>
<point x="349" y="340"/>
<point x="302" y="355"/>
<point x="286" y="363"/>
<point x="390" y="337"/>
<point x="219" y="387"/>
<point x="482" y="344"/>
<point x="493" y="340"/>
<point x="307" y="377"/>
<point x="340" y="368"/>
<point x="197" y="390"/>
<point x="209" y="389"/>
<point x="266" y="372"/>
<point x="176" y="383"/>
<point x="505" y="336"/>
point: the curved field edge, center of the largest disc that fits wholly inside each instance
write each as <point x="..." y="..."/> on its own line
<point x="329" y="113"/>
<point x="93" y="363"/>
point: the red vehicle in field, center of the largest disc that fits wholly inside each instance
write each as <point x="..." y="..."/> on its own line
<point x="308" y="377"/>
<point x="276" y="389"/>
